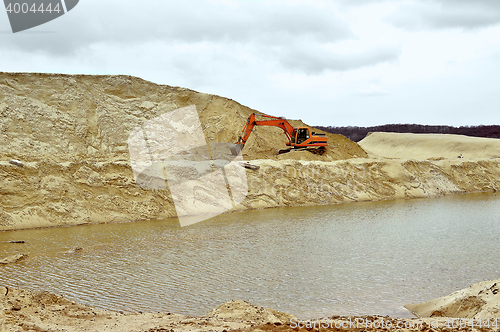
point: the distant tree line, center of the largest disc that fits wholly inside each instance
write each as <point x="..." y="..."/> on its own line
<point x="356" y="134"/>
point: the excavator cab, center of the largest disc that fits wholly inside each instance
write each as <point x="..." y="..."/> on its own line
<point x="300" y="135"/>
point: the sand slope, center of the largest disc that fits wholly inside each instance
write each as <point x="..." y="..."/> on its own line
<point x="429" y="146"/>
<point x="481" y="300"/>
<point x="81" y="117"/>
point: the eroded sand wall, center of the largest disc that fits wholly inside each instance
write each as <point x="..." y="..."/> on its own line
<point x="44" y="194"/>
<point x="293" y="182"/>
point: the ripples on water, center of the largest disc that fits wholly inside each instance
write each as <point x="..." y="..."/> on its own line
<point x="358" y="258"/>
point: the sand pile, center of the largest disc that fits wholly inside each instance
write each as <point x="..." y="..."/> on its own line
<point x="79" y="117"/>
<point x="479" y="301"/>
<point x="429" y="146"/>
<point x="241" y="311"/>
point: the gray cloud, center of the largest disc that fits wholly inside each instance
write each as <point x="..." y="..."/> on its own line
<point x="467" y="3"/>
<point x="292" y="35"/>
<point x="133" y="22"/>
<point x="445" y="14"/>
<point x="315" y="61"/>
<point x="359" y="3"/>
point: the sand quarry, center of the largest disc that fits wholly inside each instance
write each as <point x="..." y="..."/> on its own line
<point x="64" y="160"/>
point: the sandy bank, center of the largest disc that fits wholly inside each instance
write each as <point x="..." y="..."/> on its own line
<point x="22" y="310"/>
<point x="429" y="146"/>
<point x="292" y="182"/>
<point x="50" y="193"/>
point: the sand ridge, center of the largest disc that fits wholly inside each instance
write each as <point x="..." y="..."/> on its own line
<point x="429" y="146"/>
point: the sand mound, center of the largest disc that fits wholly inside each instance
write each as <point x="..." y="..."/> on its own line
<point x="241" y="311"/>
<point x="481" y="300"/>
<point x="429" y="146"/>
<point x="75" y="117"/>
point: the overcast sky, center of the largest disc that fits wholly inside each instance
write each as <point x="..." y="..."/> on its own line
<point x="344" y="62"/>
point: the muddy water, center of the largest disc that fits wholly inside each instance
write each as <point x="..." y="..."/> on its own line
<point x="359" y="258"/>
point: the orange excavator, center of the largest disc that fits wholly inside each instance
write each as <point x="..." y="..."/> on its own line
<point x="299" y="138"/>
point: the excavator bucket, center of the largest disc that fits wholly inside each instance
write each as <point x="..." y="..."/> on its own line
<point x="235" y="149"/>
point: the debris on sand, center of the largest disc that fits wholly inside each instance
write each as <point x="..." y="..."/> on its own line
<point x="242" y="311"/>
<point x="13" y="258"/>
<point x="16" y="163"/>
